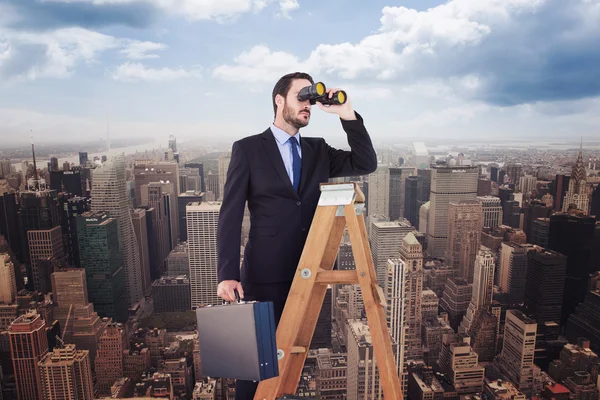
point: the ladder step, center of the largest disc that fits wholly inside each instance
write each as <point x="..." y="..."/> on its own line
<point x="337" y="277"/>
<point x="298" y="350"/>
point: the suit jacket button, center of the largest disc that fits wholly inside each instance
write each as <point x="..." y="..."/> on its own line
<point x="299" y="202"/>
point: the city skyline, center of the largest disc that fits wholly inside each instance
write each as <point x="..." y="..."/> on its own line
<point x="430" y="69"/>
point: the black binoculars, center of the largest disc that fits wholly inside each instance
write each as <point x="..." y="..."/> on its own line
<point x="317" y="92"/>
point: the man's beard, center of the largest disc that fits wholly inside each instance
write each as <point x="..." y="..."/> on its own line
<point x="292" y="119"/>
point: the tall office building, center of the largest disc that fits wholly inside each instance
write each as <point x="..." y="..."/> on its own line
<point x="362" y="374"/>
<point x="514" y="171"/>
<point x="68" y="181"/>
<point x="38" y="211"/>
<point x="456" y="299"/>
<point x="448" y="184"/>
<point x="45" y="250"/>
<point x="66" y="373"/>
<point x="492" y="211"/>
<point x="98" y="239"/>
<point x="545" y="285"/>
<point x="202" y="221"/>
<point x="379" y="191"/>
<point x="483" y="284"/>
<point x="397" y="187"/>
<point x="9" y="222"/>
<point x="515" y="361"/>
<point x="8" y="283"/>
<point x="79" y="323"/>
<point x="223" y="168"/>
<point x="512" y="270"/>
<point x="28" y="345"/>
<point x="420" y="155"/>
<point x="411" y="253"/>
<point x="182" y="200"/>
<point x="109" y="359"/>
<point x="386" y="239"/>
<point x="577" y="195"/>
<point x="140" y="227"/>
<point x="461" y="364"/>
<point x="416" y="194"/>
<point x="109" y="194"/>
<point x="212" y="186"/>
<point x="527" y="184"/>
<point x="71" y="207"/>
<point x="573" y="236"/>
<point x="396" y="315"/>
<point x="465" y="222"/>
<point x="200" y="168"/>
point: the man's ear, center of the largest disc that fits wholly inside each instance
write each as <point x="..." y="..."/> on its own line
<point x="279" y="100"/>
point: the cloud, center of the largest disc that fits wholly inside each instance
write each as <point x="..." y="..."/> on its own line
<point x="56" y="54"/>
<point x="142" y="12"/>
<point x="287" y="6"/>
<point x="259" y="64"/>
<point x="47" y="14"/>
<point x="137" y="50"/>
<point x="53" y="54"/>
<point x="501" y="52"/>
<point x="135" y="72"/>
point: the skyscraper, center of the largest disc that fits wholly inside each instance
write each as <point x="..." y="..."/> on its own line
<point x="483" y="284"/>
<point x="109" y="359"/>
<point x="396" y="314"/>
<point x="573" y="236"/>
<point x="66" y="374"/>
<point x="516" y="359"/>
<point x="109" y="194"/>
<point x="202" y="222"/>
<point x="362" y="374"/>
<point x="545" y="285"/>
<point x="448" y="183"/>
<point x="98" y="238"/>
<point x="223" y="167"/>
<point x="378" y="197"/>
<point x="8" y="283"/>
<point x="577" y="195"/>
<point x="492" y="211"/>
<point x="386" y="239"/>
<point x="465" y="222"/>
<point x="397" y="188"/>
<point x="28" y="345"/>
<point x="411" y="253"/>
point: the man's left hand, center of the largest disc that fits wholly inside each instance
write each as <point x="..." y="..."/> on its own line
<point x="344" y="111"/>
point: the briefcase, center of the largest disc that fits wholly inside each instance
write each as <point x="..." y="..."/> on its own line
<point x="237" y="340"/>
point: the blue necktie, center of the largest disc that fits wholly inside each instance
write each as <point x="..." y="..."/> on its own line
<point x="296" y="162"/>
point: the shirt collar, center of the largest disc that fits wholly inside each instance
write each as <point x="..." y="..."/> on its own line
<point x="282" y="136"/>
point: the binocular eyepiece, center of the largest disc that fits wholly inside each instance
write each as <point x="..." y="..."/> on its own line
<point x="317" y="92"/>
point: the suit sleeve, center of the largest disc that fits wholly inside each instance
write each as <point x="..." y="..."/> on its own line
<point x="361" y="159"/>
<point x="229" y="227"/>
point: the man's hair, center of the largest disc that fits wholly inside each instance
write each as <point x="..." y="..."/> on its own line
<point x="284" y="83"/>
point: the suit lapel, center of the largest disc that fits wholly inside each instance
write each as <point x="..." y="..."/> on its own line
<point x="274" y="156"/>
<point x="308" y="158"/>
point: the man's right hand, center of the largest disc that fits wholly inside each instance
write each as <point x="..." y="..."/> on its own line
<point x="225" y="290"/>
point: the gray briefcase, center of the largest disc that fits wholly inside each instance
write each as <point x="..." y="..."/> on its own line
<point x="237" y="341"/>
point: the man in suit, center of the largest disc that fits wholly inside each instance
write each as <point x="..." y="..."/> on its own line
<point x="278" y="172"/>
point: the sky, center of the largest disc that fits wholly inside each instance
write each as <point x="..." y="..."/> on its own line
<point x="463" y="70"/>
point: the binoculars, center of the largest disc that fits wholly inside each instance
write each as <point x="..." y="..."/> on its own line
<point x="316" y="92"/>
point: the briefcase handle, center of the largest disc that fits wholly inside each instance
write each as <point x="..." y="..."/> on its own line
<point x="238" y="300"/>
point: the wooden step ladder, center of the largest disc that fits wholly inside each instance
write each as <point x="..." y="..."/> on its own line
<point x="340" y="205"/>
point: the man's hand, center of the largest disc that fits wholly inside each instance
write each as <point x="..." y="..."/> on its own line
<point x="225" y="290"/>
<point x="345" y="111"/>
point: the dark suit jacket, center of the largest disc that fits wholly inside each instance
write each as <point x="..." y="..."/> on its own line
<point x="279" y="217"/>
